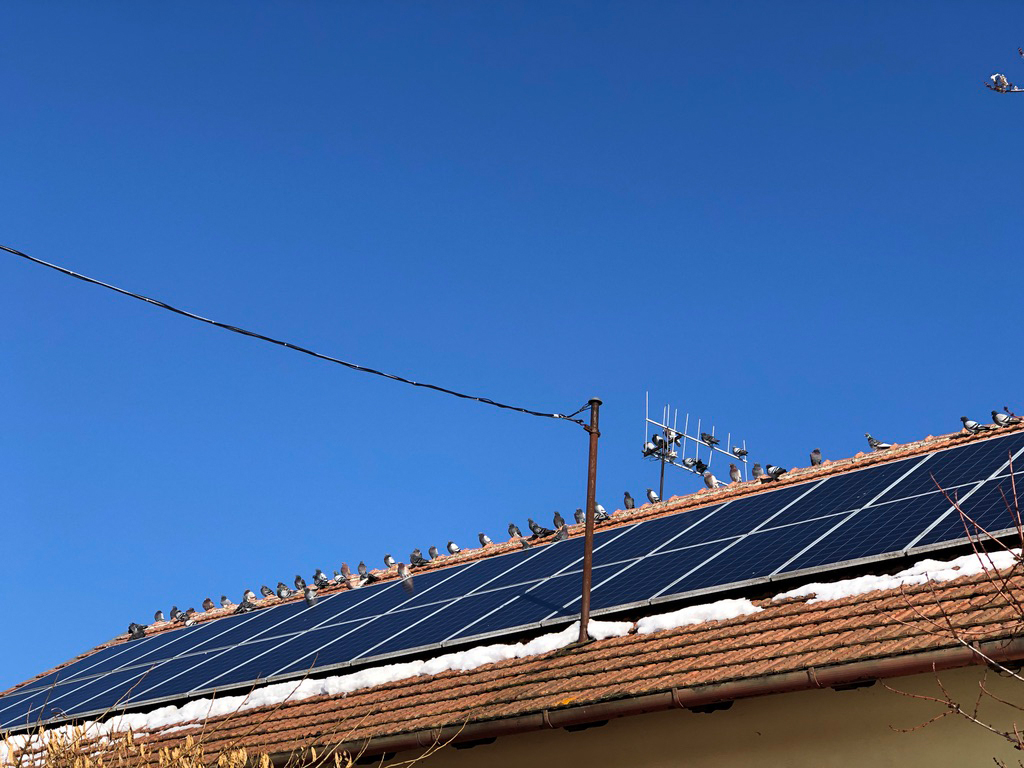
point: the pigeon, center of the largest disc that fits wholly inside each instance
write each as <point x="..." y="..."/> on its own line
<point x="266" y="591"/>
<point x="434" y="554"/>
<point x="627" y="501"/>
<point x="734" y="473"/>
<point x="300" y="583"/>
<point x="484" y="539"/>
<point x="320" y="579"/>
<point x="1003" y="420"/>
<point x="738" y="452"/>
<point x="525" y="543"/>
<point x="816" y="457"/>
<point x="453" y="548"/>
<point x="513" y="531"/>
<point x="175" y="613"/>
<point x="136" y="631"/>
<point x="652" y="496"/>
<point x="225" y="601"/>
<point x="673" y="436"/>
<point x="368" y="578"/>
<point x="650" y="449"/>
<point x="562" y="535"/>
<point x="283" y="591"/>
<point x="245" y="606"/>
<point x="403" y="571"/>
<point x="775" y="472"/>
<point x="558" y="520"/>
<point x="537" y="529"/>
<point x="207" y="604"/>
<point x="601" y="514"/>
<point x="689" y="462"/>
<point x="974" y="427"/>
<point x="756" y="472"/>
<point x="249" y="596"/>
<point x="710" y="480"/>
<point x="877" y="445"/>
<point x="709" y="439"/>
<point x="416" y="558"/>
<point x="580" y="517"/>
<point x="338" y="578"/>
<point x="346" y="572"/>
<point x="700" y="467"/>
<point x="389" y="561"/>
<point x="361" y="568"/>
<point x="159" y="616"/>
<point x="188" y="618"/>
<point x="658" y="440"/>
<point x="309" y="593"/>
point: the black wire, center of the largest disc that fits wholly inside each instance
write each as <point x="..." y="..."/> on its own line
<point x="260" y="336"/>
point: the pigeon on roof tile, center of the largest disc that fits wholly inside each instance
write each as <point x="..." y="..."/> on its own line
<point x="225" y="601"/>
<point x="525" y="543"/>
<point x="562" y="534"/>
<point x="513" y="531"/>
<point x="368" y="578"/>
<point x="136" y="631"/>
<point x="484" y="539"/>
<point x="188" y="618"/>
<point x="338" y="578"/>
<point x="208" y="605"/>
<point x="558" y="520"/>
<point x="309" y="594"/>
<point x="601" y="514"/>
<point x="245" y="606"/>
<point x="403" y="571"/>
<point x="710" y="480"/>
<point x="877" y="445"/>
<point x="580" y="517"/>
<point x="159" y="616"/>
<point x="266" y="591"/>
<point x="775" y="472"/>
<point x="653" y="497"/>
<point x="283" y="591"/>
<point x="453" y="548"/>
<point x="361" y="568"/>
<point x="1004" y="420"/>
<point x="537" y="528"/>
<point x="389" y="561"/>
<point x="709" y="439"/>
<point x="346" y="572"/>
<point x="432" y="551"/>
<point x="738" y="452"/>
<point x="756" y="471"/>
<point x="249" y="596"/>
<point x="175" y="613"/>
<point x="416" y="558"/>
<point x="320" y="579"/>
<point x="974" y="427"/>
<point x="300" y="583"/>
<point x="734" y="473"/>
<point x="627" y="501"/>
<point x="816" y="457"/>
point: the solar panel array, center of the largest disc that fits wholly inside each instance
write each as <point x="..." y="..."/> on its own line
<point x="819" y="525"/>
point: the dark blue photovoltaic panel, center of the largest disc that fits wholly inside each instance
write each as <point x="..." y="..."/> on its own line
<point x="813" y="525"/>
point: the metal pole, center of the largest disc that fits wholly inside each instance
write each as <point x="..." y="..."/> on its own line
<point x="588" y="538"/>
<point x="661" y="483"/>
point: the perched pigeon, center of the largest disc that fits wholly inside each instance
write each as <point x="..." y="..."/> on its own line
<point x="756" y="471"/>
<point x="1003" y="420"/>
<point x="738" y="452"/>
<point x="361" y="568"/>
<point x="601" y="514"/>
<point x="309" y="593"/>
<point x="710" y="480"/>
<point x="266" y="591"/>
<point x="434" y="554"/>
<point x="513" y="530"/>
<point x="537" y="529"/>
<point x="249" y="596"/>
<point x="974" y="427"/>
<point x="300" y="583"/>
<point x="689" y="462"/>
<point x="658" y="440"/>
<point x="700" y="467"/>
<point x="225" y="601"/>
<point x="416" y="558"/>
<point x="877" y="445"/>
<point x="649" y="449"/>
<point x="136" y="631"/>
<point x="403" y="571"/>
<point x="159" y="616"/>
<point x="652" y="496"/>
<point x="816" y="457"/>
<point x="245" y="606"/>
<point x="484" y="539"/>
<point x="175" y="613"/>
<point x="207" y="604"/>
<point x="368" y="578"/>
<point x="188" y="618"/>
<point x="580" y="516"/>
<point x="562" y="535"/>
<point x="389" y="561"/>
<point x="627" y="501"/>
<point x="734" y="473"/>
<point x="673" y="436"/>
<point x="346" y="572"/>
<point x="283" y="591"/>
<point x="338" y="578"/>
<point x="558" y="520"/>
<point x="775" y="472"/>
<point x="525" y="543"/>
<point x="453" y="548"/>
<point x="320" y="579"/>
<point x="709" y="439"/>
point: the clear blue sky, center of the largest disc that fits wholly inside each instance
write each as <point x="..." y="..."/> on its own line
<point x="800" y="220"/>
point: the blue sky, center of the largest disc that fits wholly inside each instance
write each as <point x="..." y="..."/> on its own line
<point x="796" y="220"/>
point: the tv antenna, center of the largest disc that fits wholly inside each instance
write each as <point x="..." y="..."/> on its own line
<point x="670" y="445"/>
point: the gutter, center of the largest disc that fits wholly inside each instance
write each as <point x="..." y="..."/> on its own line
<point x="680" y="698"/>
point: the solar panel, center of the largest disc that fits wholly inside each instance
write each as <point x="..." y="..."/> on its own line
<point x="859" y="515"/>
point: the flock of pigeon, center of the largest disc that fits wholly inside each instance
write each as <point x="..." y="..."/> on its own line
<point x="363" y="576"/>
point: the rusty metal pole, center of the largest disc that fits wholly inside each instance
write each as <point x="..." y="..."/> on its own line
<point x="588" y="538"/>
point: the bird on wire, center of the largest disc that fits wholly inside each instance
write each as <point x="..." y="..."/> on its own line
<point x="627" y="501"/>
<point x="652" y="496"/>
<point x="700" y="467"/>
<point x="1004" y="420"/>
<point x="689" y="462"/>
<point x="513" y="531"/>
<point x="877" y="445"/>
<point x="738" y="452"/>
<point x="709" y="439"/>
<point x="734" y="474"/>
<point x="974" y="427"/>
<point x="816" y="457"/>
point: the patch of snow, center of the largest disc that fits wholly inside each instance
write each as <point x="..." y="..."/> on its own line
<point x="696" y="614"/>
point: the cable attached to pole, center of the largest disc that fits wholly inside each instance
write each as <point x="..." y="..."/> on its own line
<point x="296" y="347"/>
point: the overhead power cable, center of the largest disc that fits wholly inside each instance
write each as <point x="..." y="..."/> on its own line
<point x="296" y="347"/>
